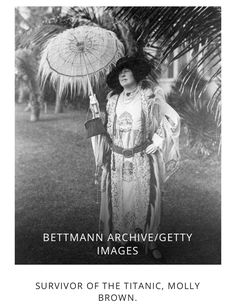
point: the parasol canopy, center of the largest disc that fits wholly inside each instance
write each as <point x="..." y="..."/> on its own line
<point x="76" y="59"/>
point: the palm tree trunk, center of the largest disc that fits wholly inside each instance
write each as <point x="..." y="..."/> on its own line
<point x="59" y="104"/>
<point x="35" y="108"/>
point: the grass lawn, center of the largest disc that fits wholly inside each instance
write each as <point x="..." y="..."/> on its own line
<point x="55" y="192"/>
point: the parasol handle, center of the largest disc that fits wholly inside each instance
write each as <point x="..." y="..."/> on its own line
<point x="96" y="110"/>
<point x="89" y="83"/>
<point x="90" y="86"/>
<point x="94" y="106"/>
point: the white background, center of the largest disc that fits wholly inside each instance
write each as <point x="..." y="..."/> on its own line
<point x="17" y="285"/>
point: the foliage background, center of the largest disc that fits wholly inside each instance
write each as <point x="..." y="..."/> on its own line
<point x="54" y="162"/>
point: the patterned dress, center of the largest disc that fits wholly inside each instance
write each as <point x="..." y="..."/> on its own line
<point x="131" y="187"/>
<point x="130" y="177"/>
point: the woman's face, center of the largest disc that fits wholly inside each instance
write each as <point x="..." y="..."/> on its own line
<point x="126" y="78"/>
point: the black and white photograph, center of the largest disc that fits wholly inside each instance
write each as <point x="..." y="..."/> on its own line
<point x="117" y="135"/>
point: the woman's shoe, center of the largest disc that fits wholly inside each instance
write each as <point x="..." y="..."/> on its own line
<point x="156" y="254"/>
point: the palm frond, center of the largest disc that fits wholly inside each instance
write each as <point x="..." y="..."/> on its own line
<point x="38" y="36"/>
<point x="180" y="30"/>
<point x="200" y="119"/>
<point x="26" y="64"/>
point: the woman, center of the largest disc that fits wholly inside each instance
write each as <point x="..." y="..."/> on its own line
<point x="137" y="154"/>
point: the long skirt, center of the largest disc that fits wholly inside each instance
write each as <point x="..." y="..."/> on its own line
<point x="131" y="195"/>
<point x="130" y="192"/>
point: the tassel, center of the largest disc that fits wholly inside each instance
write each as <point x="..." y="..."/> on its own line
<point x="113" y="162"/>
<point x="96" y="175"/>
<point x="114" y="126"/>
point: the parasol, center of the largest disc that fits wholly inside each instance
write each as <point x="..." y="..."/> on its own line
<point x="75" y="60"/>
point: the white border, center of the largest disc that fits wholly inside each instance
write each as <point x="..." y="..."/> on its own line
<point x="17" y="282"/>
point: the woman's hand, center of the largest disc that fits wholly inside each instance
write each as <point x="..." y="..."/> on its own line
<point x="94" y="106"/>
<point x="157" y="143"/>
<point x="152" y="148"/>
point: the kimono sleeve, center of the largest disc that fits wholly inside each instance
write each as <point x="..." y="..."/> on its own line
<point x="168" y="130"/>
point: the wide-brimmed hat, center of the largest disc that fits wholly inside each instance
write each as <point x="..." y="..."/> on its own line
<point x="139" y="65"/>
